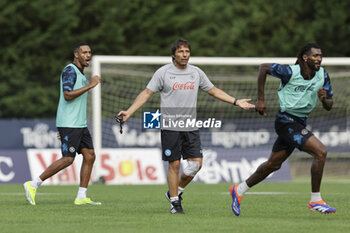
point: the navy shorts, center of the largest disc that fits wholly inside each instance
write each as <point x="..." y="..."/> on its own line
<point x="291" y="131"/>
<point x="73" y="140"/>
<point x="177" y="144"/>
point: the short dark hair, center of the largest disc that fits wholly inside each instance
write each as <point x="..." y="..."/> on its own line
<point x="178" y="43"/>
<point x="79" y="44"/>
<point x="306" y="50"/>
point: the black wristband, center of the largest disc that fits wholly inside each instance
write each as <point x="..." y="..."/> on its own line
<point x="234" y="102"/>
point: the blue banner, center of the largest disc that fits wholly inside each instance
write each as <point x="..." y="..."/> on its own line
<point x="14" y="167"/>
<point x="234" y="134"/>
<point x="28" y="133"/>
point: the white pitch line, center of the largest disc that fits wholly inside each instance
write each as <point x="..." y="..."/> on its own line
<point x="23" y="193"/>
<point x="272" y="193"/>
<point x="338" y="181"/>
<point x="267" y="193"/>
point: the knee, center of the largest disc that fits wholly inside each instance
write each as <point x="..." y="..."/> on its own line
<point x="90" y="157"/>
<point x="67" y="160"/>
<point x="174" y="165"/>
<point x="322" y="155"/>
<point x="192" y="168"/>
<point x="273" y="166"/>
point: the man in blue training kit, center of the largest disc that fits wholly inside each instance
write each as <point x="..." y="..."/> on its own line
<point x="72" y="126"/>
<point x="301" y="85"/>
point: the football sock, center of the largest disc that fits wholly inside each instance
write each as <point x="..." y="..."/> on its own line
<point x="36" y="182"/>
<point x="81" y="193"/>
<point x="180" y="190"/>
<point x="315" y="197"/>
<point x="242" y="188"/>
<point x="174" y="199"/>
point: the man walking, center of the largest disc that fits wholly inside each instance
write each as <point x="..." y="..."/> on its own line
<point x="178" y="84"/>
<point x="72" y="126"/>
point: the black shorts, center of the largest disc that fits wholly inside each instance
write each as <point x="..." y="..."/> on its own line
<point x="292" y="134"/>
<point x="74" y="139"/>
<point x="177" y="143"/>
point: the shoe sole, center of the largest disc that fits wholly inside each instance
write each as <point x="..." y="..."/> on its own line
<point x="87" y="204"/>
<point x="173" y="211"/>
<point x="79" y="203"/>
<point x="330" y="212"/>
<point x="28" y="196"/>
<point x="234" y="197"/>
<point x="176" y="212"/>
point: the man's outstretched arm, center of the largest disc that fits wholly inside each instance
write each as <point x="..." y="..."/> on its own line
<point x="223" y="96"/>
<point x="140" y="100"/>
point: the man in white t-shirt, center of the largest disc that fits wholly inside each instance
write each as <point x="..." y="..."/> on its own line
<point x="178" y="84"/>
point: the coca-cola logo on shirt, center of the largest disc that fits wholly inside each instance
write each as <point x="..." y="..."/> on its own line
<point x="183" y="86"/>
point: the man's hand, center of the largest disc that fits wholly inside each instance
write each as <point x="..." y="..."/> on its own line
<point x="125" y="116"/>
<point x="322" y="94"/>
<point x="327" y="103"/>
<point x="261" y="107"/>
<point x="94" y="81"/>
<point x="244" y="103"/>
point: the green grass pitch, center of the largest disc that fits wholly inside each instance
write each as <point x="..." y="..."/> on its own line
<point x="267" y="207"/>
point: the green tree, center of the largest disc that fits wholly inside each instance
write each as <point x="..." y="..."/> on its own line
<point x="38" y="36"/>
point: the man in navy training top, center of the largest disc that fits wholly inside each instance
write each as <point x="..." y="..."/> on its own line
<point x="301" y="85"/>
<point x="72" y="125"/>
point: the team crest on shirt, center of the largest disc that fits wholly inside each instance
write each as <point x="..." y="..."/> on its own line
<point x="304" y="131"/>
<point x="71" y="149"/>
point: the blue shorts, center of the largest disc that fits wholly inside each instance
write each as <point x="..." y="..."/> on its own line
<point x="73" y="140"/>
<point x="177" y="143"/>
<point x="291" y="131"/>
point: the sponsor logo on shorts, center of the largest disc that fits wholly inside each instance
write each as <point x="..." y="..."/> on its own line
<point x="304" y="131"/>
<point x="167" y="152"/>
<point x="71" y="149"/>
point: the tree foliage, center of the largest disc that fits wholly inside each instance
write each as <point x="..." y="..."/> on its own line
<point x="38" y="36"/>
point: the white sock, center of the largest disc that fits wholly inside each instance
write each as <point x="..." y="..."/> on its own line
<point x="242" y="188"/>
<point x="36" y="182"/>
<point x="81" y="193"/>
<point x="316" y="197"/>
<point x="174" y="199"/>
<point x="180" y="190"/>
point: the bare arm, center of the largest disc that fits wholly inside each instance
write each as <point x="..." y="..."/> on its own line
<point x="140" y="100"/>
<point x="223" y="96"/>
<point x="326" y="103"/>
<point x="264" y="69"/>
<point x="69" y="95"/>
